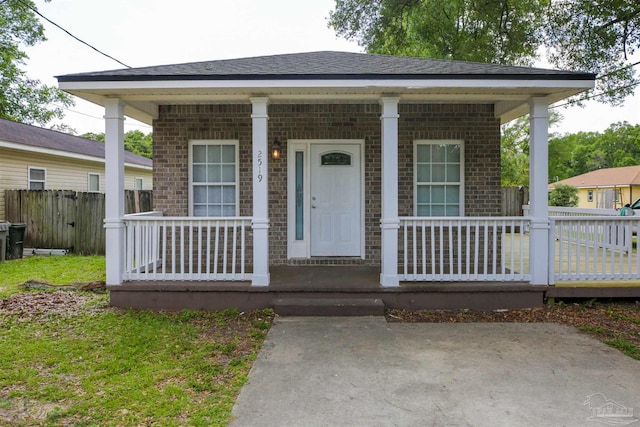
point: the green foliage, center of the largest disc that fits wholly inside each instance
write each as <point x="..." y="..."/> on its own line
<point x="597" y="37"/>
<point x="24" y="99"/>
<point x="135" y="141"/>
<point x="577" y="34"/>
<point x="626" y="347"/>
<point x="515" y="150"/>
<point x="575" y="154"/>
<point x="497" y="31"/>
<point x="563" y="195"/>
<point x="569" y="155"/>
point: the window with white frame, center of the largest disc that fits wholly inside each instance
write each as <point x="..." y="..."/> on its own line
<point x="138" y="184"/>
<point x="589" y="195"/>
<point x="214" y="178"/>
<point x="93" y="184"/>
<point x="37" y="178"/>
<point x="439" y="178"/>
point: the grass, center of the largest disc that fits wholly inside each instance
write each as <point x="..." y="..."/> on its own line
<point x="94" y="365"/>
<point x="56" y="270"/>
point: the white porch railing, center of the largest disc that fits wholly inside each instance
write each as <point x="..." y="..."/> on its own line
<point x="564" y="211"/>
<point x="463" y="249"/>
<point x="185" y="248"/>
<point x="593" y="248"/>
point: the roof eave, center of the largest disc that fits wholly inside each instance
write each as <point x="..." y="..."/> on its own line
<point x="97" y="91"/>
<point x="306" y="77"/>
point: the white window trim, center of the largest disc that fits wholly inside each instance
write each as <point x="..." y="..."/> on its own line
<point x="29" y="180"/>
<point x="214" y="142"/>
<point x="135" y="180"/>
<point x="590" y="196"/>
<point x="415" y="169"/>
<point x="89" y="175"/>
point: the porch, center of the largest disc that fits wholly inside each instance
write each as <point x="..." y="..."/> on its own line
<point x="326" y="290"/>
<point x="442" y="263"/>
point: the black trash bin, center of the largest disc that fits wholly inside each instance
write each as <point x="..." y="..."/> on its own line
<point x="15" y="242"/>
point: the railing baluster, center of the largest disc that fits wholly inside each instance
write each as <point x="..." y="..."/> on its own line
<point x="424" y="249"/>
<point x="433" y="250"/>
<point x="233" y="256"/>
<point x="414" y="233"/>
<point x="459" y="251"/>
<point x="450" y="233"/>
<point x="215" y="250"/>
<point x="406" y="252"/>
<point x="468" y="249"/>
<point x="225" y="249"/>
<point x="242" y="246"/>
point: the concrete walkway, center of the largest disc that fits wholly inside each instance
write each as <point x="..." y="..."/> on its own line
<point x="367" y="372"/>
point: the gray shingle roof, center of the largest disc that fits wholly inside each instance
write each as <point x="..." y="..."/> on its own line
<point x="46" y="138"/>
<point x="326" y="65"/>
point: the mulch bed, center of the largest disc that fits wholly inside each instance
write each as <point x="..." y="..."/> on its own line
<point x="609" y="321"/>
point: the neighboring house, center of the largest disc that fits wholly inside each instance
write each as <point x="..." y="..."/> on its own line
<point x="321" y="158"/>
<point x="610" y="188"/>
<point x="33" y="158"/>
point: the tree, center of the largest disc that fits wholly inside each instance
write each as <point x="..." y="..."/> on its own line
<point x="582" y="152"/>
<point x="563" y="195"/>
<point x="515" y="150"/>
<point x="584" y="35"/>
<point x="135" y="141"/>
<point x="24" y="99"/>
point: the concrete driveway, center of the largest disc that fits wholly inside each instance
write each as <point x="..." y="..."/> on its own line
<point x="367" y="372"/>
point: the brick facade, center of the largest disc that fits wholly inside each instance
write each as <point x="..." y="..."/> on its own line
<point x="475" y="124"/>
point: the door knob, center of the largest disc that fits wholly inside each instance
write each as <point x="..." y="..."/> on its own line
<point x="313" y="206"/>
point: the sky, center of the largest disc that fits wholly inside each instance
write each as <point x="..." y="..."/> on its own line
<point x="155" y="32"/>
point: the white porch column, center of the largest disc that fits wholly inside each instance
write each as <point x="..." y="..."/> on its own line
<point x="260" y="221"/>
<point x="114" y="191"/>
<point x="389" y="221"/>
<point x="538" y="183"/>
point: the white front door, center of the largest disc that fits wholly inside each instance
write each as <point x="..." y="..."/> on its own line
<point x="336" y="192"/>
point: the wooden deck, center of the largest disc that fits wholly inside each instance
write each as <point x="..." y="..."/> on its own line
<point x="348" y="290"/>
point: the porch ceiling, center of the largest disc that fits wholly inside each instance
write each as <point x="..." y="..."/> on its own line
<point x="510" y="98"/>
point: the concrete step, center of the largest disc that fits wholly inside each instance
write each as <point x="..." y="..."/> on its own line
<point x="328" y="307"/>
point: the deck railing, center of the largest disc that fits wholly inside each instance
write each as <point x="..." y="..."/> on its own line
<point x="593" y="248"/>
<point x="463" y="249"/>
<point x="565" y="211"/>
<point x="186" y="248"/>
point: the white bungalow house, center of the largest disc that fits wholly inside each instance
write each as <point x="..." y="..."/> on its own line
<point x="332" y="170"/>
<point x="35" y="158"/>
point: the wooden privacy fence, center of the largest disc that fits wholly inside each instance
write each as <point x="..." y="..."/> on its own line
<point x="512" y="200"/>
<point x="65" y="219"/>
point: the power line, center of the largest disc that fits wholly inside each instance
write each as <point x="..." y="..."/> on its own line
<point x="144" y="126"/>
<point x="78" y="39"/>
<point x="586" y="98"/>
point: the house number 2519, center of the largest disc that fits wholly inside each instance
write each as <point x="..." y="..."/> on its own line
<point x="259" y="161"/>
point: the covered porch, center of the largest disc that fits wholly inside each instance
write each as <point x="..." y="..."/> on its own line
<point x="421" y="139"/>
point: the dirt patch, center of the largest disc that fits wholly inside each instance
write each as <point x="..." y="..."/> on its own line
<point x="29" y="305"/>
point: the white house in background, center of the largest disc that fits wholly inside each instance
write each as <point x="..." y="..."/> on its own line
<point x="33" y="158"/>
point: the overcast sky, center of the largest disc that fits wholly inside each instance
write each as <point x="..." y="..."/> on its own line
<point x="154" y="32"/>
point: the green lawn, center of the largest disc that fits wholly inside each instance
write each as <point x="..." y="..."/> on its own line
<point x="55" y="270"/>
<point x="83" y="363"/>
